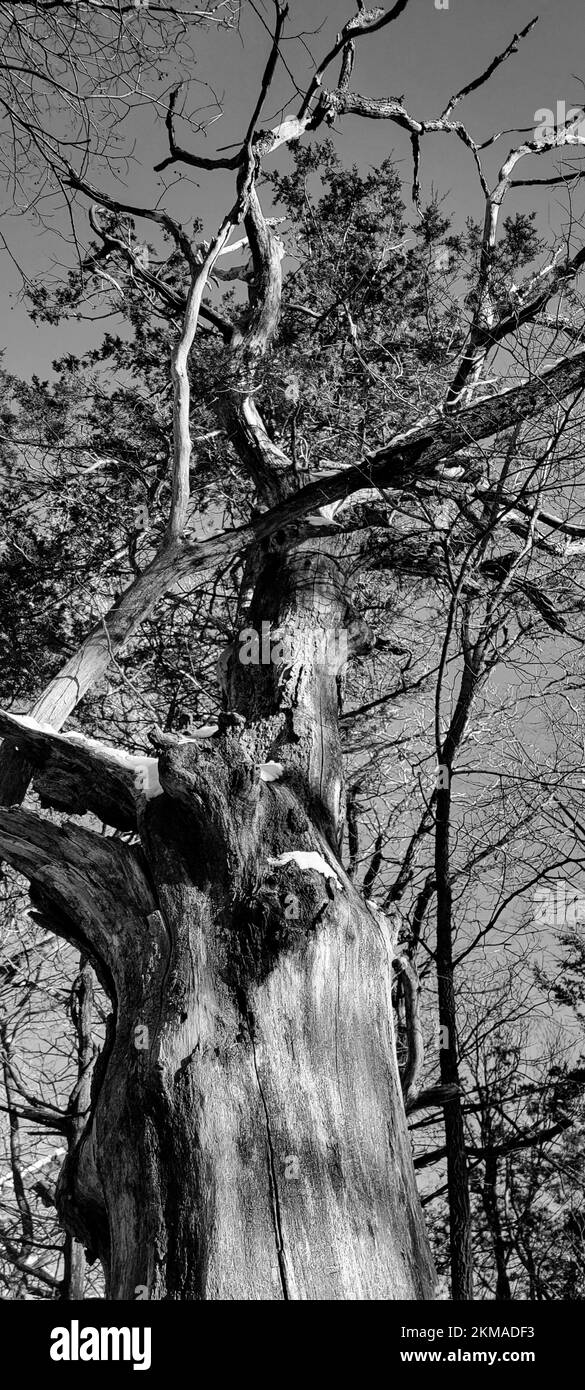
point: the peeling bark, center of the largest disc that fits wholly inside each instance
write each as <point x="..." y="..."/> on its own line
<point x="247" y="1137"/>
<point x="253" y="1146"/>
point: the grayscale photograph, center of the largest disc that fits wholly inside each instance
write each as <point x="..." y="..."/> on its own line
<point x="292" y="669"/>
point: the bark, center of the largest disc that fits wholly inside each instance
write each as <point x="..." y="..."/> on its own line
<point x="492" y="1213"/>
<point x="247" y="1137"/>
<point x="74" y="1272"/>
<point x="460" y="1242"/>
<point x="460" y="1229"/>
<point x="411" y="1074"/>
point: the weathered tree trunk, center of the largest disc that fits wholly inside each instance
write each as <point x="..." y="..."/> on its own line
<point x="81" y="1007"/>
<point x="460" y="1234"/>
<point x="248" y="1137"/>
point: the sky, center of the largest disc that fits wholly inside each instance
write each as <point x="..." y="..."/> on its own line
<point x="427" y="54"/>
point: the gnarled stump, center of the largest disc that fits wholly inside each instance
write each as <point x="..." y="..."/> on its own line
<point x="247" y="1137"/>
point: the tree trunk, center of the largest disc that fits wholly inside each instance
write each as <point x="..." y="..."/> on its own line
<point x="247" y="1138"/>
<point x="81" y="1007"/>
<point x="492" y="1212"/>
<point x="460" y="1242"/>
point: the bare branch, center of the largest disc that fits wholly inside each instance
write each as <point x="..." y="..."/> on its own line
<point x="484" y="77"/>
<point x="485" y="328"/>
<point x="365" y="22"/>
<point x="177" y="153"/>
<point x="281" y="14"/>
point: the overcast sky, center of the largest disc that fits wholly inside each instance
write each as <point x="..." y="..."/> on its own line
<point x="427" y="54"/>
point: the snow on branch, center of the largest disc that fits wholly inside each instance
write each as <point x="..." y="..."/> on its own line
<point x="77" y="774"/>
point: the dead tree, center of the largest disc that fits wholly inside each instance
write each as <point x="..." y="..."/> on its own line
<point x="247" y="1135"/>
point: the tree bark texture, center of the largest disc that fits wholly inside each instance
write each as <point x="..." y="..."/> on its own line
<point x="460" y="1233"/>
<point x="247" y="1137"/>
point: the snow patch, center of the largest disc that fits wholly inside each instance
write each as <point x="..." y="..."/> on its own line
<point x="30" y="723"/>
<point x="144" y="770"/>
<point x="146" y="778"/>
<point x="306" y="859"/>
<point x="206" y="731"/>
<point x="322" y="518"/>
<point x="271" y="772"/>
